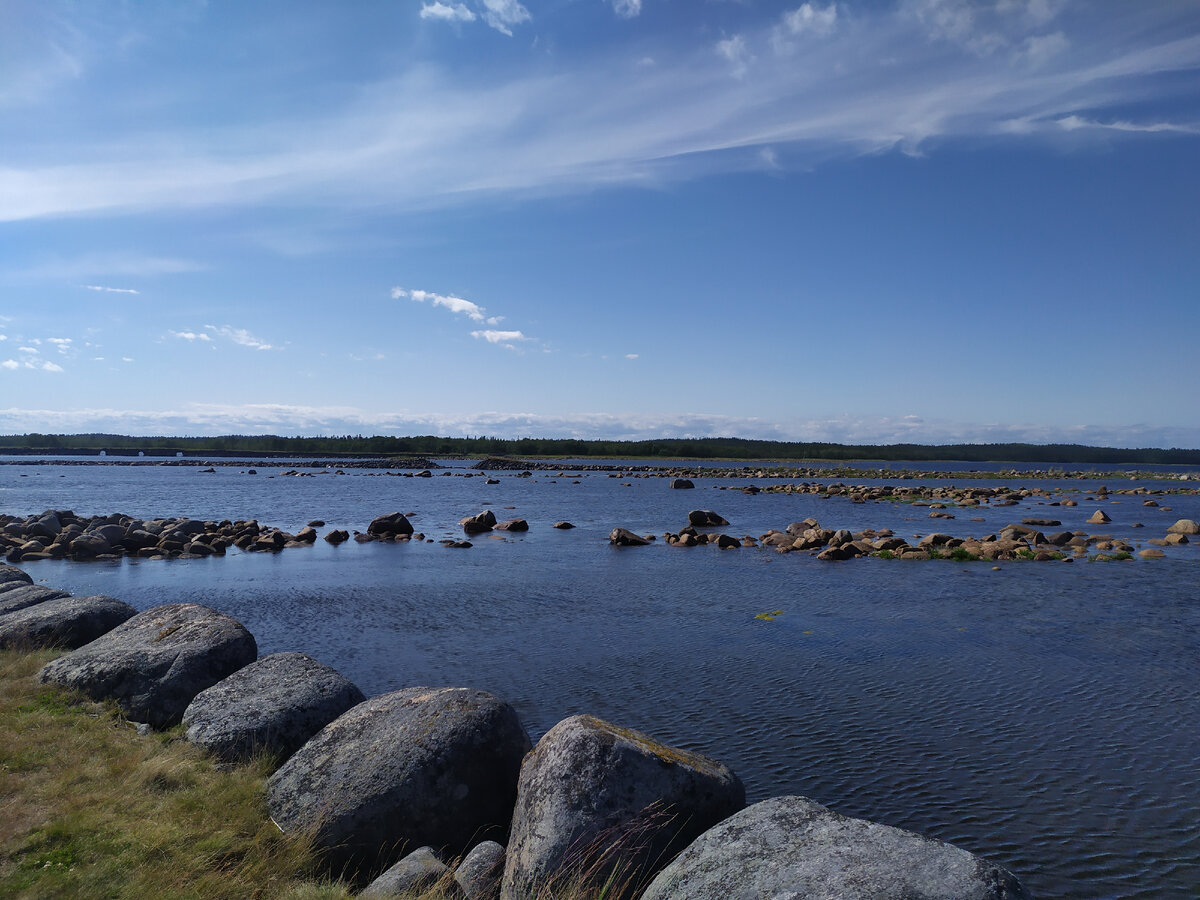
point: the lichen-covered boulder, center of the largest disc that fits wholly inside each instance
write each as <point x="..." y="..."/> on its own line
<point x="793" y="847"/>
<point x="414" y="874"/>
<point x="478" y="875"/>
<point x="18" y="595"/>
<point x="155" y="663"/>
<point x="596" y="800"/>
<point x="1184" y="526"/>
<point x="420" y="766"/>
<point x="273" y="705"/>
<point x="67" y="622"/>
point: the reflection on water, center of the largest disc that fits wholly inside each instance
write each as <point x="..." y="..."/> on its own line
<point x="1042" y="715"/>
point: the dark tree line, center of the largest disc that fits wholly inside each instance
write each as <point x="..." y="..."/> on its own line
<point x="670" y="448"/>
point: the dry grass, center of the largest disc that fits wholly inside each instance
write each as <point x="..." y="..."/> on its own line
<point x="92" y="809"/>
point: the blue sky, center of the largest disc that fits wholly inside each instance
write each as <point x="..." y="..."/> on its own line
<point x="871" y="221"/>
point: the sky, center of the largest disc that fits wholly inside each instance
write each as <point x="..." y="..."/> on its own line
<point x="863" y="221"/>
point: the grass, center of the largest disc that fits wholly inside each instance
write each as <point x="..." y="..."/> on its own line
<point x="92" y="809"/>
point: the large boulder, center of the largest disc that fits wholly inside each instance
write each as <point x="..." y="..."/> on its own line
<point x="596" y="800"/>
<point x="1184" y="526"/>
<point x="793" y="847"/>
<point x="390" y="525"/>
<point x="273" y="705"/>
<point x="16" y="595"/>
<point x="421" y="766"/>
<point x="623" y="537"/>
<point x="155" y="663"/>
<point x="682" y="484"/>
<point x="13" y="575"/>
<point x="705" y="518"/>
<point x="67" y="622"/>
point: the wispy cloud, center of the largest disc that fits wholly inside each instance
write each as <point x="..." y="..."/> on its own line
<point x="447" y="12"/>
<point x="239" y="336"/>
<point x="190" y="335"/>
<point x="627" y="9"/>
<point x="472" y="311"/>
<point x="110" y="290"/>
<point x="1075" y="123"/>
<point x="879" y="79"/>
<point x="508" y="339"/>
<point x="29" y="356"/>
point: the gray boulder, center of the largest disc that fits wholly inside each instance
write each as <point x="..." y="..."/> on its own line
<point x="67" y="622"/>
<point x="1184" y="526"/>
<point x="434" y="766"/>
<point x="512" y="525"/>
<point x="155" y="663"/>
<point x="13" y="575"/>
<point x="478" y="875"/>
<point x="273" y="705"/>
<point x="705" y="518"/>
<point x="414" y="874"/>
<point x="16" y="596"/>
<point x="596" y="801"/>
<point x="391" y="524"/>
<point x="793" y="847"/>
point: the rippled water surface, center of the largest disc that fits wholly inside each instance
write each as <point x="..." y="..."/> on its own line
<point x="1041" y="714"/>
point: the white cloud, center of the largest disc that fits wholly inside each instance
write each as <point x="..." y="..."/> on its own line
<point x="734" y="50"/>
<point x="63" y="344"/>
<point x="499" y="337"/>
<point x="29" y="350"/>
<point x="455" y="304"/>
<point x="48" y="366"/>
<point x="446" y="12"/>
<point x="631" y="355"/>
<point x="627" y="9"/>
<point x="10" y="364"/>
<point x="127" y="359"/>
<point x="190" y="335"/>
<point x="111" y="290"/>
<point x="1039" y="49"/>
<point x="1075" y="123"/>
<point x="809" y="18"/>
<point x="503" y="14"/>
<point x="239" y="336"/>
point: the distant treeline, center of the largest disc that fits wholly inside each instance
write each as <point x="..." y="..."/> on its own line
<point x="674" y="448"/>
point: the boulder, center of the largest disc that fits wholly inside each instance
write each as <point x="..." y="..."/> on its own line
<point x="681" y="484"/>
<point x="391" y="524"/>
<point x="1099" y="517"/>
<point x="155" y="663"/>
<point x="623" y="537"/>
<point x="793" y="847"/>
<point x="412" y="875"/>
<point x="563" y="525"/>
<point x="478" y="875"/>
<point x="67" y="622"/>
<point x="479" y="522"/>
<point x="435" y="766"/>
<point x="273" y="705"/>
<point x="337" y="536"/>
<point x="512" y="525"/>
<point x="1184" y="526"/>
<point x="18" y="595"/>
<point x="705" y="518"/>
<point x="1042" y="523"/>
<point x="596" y="800"/>
<point x="13" y="575"/>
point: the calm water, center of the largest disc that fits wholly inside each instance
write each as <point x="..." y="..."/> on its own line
<point x="1043" y="715"/>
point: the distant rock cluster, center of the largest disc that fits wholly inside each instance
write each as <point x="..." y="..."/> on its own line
<point x="393" y="789"/>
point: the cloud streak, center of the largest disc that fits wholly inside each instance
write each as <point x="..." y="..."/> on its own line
<point x="882" y="79"/>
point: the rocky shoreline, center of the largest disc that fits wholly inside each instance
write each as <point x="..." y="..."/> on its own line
<point x="394" y="788"/>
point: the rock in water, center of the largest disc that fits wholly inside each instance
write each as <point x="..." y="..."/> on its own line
<point x="390" y="525"/>
<point x="67" y="622"/>
<point x="596" y="800"/>
<point x="272" y="705"/>
<point x="793" y="847"/>
<point x="1184" y="526"/>
<point x="705" y="518"/>
<point x="421" y="766"/>
<point x="623" y="537"/>
<point x="154" y="664"/>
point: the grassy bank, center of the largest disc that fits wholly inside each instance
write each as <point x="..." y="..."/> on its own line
<point x="93" y="809"/>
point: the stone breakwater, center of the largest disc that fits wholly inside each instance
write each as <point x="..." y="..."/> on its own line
<point x="442" y="783"/>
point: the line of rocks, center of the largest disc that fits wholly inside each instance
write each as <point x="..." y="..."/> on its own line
<point x="392" y="787"/>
